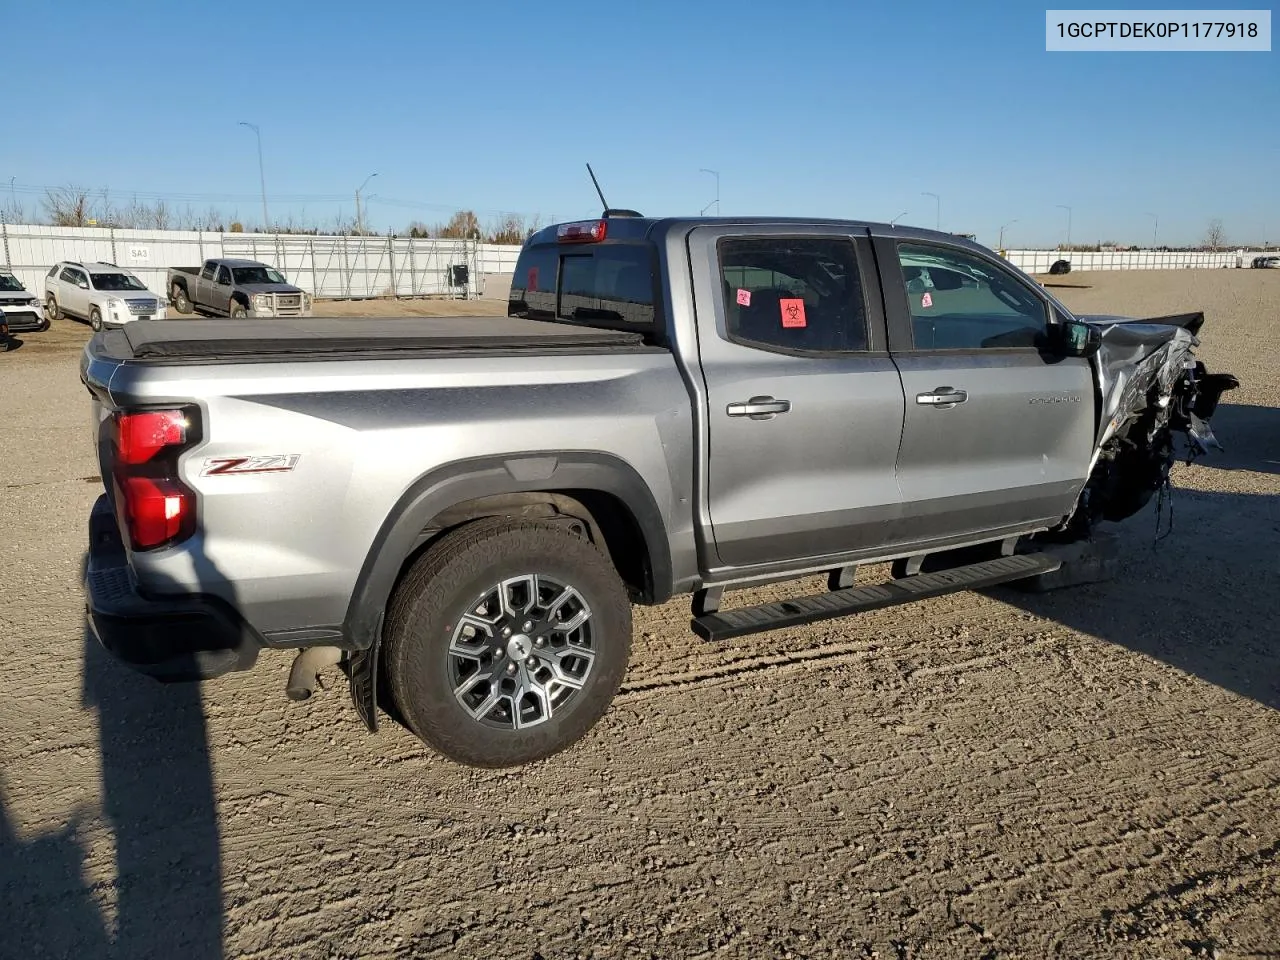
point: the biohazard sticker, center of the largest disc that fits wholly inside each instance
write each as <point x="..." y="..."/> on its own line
<point x="792" y="312"/>
<point x="926" y="300"/>
<point x="744" y="298"/>
<point x="533" y="279"/>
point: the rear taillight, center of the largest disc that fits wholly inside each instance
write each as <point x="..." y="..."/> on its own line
<point x="584" y="231"/>
<point x="157" y="508"/>
<point x="140" y="436"/>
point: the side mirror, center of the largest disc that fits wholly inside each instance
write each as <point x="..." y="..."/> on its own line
<point x="1074" y="338"/>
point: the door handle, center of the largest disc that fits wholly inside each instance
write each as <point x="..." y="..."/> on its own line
<point x="758" y="408"/>
<point x="942" y="397"/>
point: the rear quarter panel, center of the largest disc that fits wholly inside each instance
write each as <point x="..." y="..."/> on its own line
<point x="286" y="547"/>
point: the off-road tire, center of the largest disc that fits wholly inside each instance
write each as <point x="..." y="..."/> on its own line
<point x="442" y="585"/>
<point x="179" y="297"/>
<point x="238" y="310"/>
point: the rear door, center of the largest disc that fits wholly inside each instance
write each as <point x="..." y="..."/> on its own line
<point x="74" y="291"/>
<point x="997" y="433"/>
<point x="804" y="406"/>
<point x="204" y="285"/>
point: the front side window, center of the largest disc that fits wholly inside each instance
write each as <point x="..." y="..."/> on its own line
<point x="117" y="281"/>
<point x="794" y="293"/>
<point x="224" y="276"/>
<point x="960" y="301"/>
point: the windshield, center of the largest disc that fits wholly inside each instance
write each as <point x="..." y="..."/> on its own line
<point x="116" y="281"/>
<point x="257" y="275"/>
<point x="9" y="282"/>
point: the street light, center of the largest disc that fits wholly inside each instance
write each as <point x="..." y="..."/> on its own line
<point x="1000" y="244"/>
<point x="1155" y="229"/>
<point x="937" y="223"/>
<point x="359" y="216"/>
<point x="894" y="221"/>
<point x="715" y="174"/>
<point x="1063" y="206"/>
<point x="266" y="223"/>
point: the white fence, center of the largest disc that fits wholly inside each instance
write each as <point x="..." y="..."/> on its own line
<point x="1039" y="261"/>
<point x="340" y="267"/>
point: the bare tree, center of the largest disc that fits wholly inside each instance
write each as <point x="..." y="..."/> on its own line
<point x="462" y="225"/>
<point x="1215" y="236"/>
<point x="67" y="206"/>
<point x="509" y="228"/>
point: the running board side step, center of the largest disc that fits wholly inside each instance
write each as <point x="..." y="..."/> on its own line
<point x="726" y="624"/>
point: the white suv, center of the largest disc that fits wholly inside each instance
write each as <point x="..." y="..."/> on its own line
<point x="102" y="293"/>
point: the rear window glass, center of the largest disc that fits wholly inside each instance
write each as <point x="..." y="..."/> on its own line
<point x="610" y="285"/>
<point x="793" y="293"/>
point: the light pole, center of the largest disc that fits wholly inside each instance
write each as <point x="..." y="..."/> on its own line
<point x="937" y="222"/>
<point x="1063" y="206"/>
<point x="1155" y="229"/>
<point x="359" y="216"/>
<point x="716" y="174"/>
<point x="262" y="178"/>
<point x="894" y="221"/>
<point x="1000" y="244"/>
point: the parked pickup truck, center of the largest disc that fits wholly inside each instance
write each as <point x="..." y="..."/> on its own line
<point x="236" y="288"/>
<point x="461" y="512"/>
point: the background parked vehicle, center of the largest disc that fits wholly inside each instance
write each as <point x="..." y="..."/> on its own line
<point x="1268" y="262"/>
<point x="20" y="306"/>
<point x="101" y="293"/>
<point x="236" y="288"/>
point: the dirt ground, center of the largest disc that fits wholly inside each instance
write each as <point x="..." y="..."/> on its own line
<point x="1088" y="774"/>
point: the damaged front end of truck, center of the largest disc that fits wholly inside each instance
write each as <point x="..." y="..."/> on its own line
<point x="1156" y="403"/>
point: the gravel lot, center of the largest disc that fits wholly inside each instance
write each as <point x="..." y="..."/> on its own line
<point x="1093" y="773"/>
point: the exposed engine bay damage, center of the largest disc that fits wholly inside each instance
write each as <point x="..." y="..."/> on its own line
<point x="1153" y="394"/>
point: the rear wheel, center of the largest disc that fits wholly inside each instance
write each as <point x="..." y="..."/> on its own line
<point x="95" y="318"/>
<point x="506" y="642"/>
<point x="51" y="308"/>
<point x="238" y="310"/>
<point x="179" y="297"/>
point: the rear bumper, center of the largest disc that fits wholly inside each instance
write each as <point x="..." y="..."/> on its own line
<point x="174" y="639"/>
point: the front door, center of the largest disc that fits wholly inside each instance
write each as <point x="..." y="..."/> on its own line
<point x="997" y="433"/>
<point x="804" y="406"/>
<point x="222" y="290"/>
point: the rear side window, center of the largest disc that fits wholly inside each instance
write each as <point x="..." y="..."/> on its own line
<point x="533" y="286"/>
<point x="793" y="293"/>
<point x="68" y="275"/>
<point x="207" y="272"/>
<point x="609" y="285"/>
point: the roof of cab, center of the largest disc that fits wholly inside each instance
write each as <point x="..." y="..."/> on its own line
<point x="642" y="228"/>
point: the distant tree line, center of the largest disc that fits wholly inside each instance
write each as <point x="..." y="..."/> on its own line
<point x="74" y="206"/>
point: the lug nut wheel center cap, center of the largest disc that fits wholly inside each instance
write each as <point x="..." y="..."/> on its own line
<point x="519" y="647"/>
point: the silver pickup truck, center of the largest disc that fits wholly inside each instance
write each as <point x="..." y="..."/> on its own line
<point x="460" y="512"/>
<point x="236" y="288"/>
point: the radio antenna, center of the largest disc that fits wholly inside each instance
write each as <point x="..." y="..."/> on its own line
<point x="600" y="193"/>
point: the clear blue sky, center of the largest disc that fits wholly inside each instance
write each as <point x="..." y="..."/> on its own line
<point x="836" y="108"/>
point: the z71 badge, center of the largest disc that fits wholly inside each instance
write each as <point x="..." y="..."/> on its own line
<point x="275" y="463"/>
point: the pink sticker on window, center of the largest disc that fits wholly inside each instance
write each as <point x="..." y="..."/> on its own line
<point x="926" y="300"/>
<point x="792" y="312"/>
<point x="533" y="279"/>
<point x="744" y="298"/>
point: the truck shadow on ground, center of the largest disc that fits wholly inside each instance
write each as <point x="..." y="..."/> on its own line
<point x="1250" y="438"/>
<point x="1197" y="600"/>
<point x="157" y="804"/>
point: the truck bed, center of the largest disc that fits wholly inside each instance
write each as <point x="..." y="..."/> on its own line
<point x="196" y="341"/>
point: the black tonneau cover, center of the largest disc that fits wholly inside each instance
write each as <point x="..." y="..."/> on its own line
<point x="329" y="336"/>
